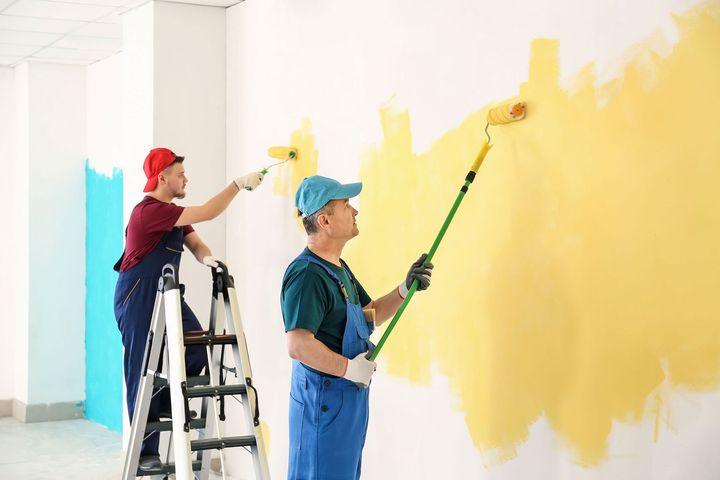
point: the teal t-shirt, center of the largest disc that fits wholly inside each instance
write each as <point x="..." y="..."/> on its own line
<point x="311" y="300"/>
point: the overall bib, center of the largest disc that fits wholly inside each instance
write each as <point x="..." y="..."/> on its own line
<point x="135" y="293"/>
<point x="329" y="416"/>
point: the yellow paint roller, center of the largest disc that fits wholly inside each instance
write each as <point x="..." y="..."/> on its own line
<point x="496" y="116"/>
<point x="281" y="153"/>
<point x="504" y="114"/>
<point x="511" y="112"/>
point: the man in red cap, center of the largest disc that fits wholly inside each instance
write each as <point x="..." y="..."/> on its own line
<point x="155" y="235"/>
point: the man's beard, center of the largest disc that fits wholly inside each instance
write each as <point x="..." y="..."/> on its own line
<point x="180" y="195"/>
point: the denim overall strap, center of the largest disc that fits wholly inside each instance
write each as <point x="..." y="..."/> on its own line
<point x="356" y="337"/>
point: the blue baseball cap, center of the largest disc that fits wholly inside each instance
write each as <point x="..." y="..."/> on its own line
<point x="314" y="192"/>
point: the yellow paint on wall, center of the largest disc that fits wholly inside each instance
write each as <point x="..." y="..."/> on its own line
<point x="583" y="268"/>
<point x="289" y="174"/>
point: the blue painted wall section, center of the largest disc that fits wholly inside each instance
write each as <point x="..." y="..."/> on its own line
<point x="103" y="345"/>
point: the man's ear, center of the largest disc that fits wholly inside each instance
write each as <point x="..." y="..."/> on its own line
<point x="322" y="220"/>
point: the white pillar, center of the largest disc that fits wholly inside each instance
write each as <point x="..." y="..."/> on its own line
<point x="50" y="241"/>
<point x="7" y="243"/>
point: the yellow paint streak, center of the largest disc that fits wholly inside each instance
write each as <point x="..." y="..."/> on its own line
<point x="265" y="429"/>
<point x="585" y="254"/>
<point x="658" y="415"/>
<point x="291" y="173"/>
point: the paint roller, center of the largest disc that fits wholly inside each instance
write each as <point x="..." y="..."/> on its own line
<point x="283" y="154"/>
<point x="500" y="115"/>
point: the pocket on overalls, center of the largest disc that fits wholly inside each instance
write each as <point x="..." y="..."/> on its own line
<point x="331" y="402"/>
<point x="174" y="241"/>
<point x="132" y="290"/>
<point x="297" y="412"/>
<point x="363" y="328"/>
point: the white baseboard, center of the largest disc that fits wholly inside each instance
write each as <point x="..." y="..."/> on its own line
<point x="6" y="408"/>
<point x="46" y="412"/>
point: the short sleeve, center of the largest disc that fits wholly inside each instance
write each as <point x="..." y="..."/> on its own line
<point x="187" y="229"/>
<point x="160" y="216"/>
<point x="304" y="300"/>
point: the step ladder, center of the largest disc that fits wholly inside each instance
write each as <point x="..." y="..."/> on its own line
<point x="212" y="388"/>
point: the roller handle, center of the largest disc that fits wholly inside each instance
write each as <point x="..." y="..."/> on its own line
<point x="480" y="157"/>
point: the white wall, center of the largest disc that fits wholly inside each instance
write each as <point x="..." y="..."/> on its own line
<point x="56" y="159"/>
<point x="137" y="94"/>
<point x="44" y="276"/>
<point x="337" y="63"/>
<point x="105" y="114"/>
<point x="21" y="221"/>
<point x="7" y="242"/>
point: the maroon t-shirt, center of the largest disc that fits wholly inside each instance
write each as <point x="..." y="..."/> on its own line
<point x="149" y="221"/>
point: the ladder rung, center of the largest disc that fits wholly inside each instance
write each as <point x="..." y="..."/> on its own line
<point x="224" y="442"/>
<point x="191" y="381"/>
<point x="167" y="468"/>
<point x="208" y="339"/>
<point x="166" y="425"/>
<point x="212" y="391"/>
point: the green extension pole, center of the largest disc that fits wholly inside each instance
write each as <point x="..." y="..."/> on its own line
<point x="413" y="288"/>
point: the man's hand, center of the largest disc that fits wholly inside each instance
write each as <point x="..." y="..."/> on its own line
<point x="359" y="370"/>
<point x="418" y="271"/>
<point x="249" y="181"/>
<point x="211" y="261"/>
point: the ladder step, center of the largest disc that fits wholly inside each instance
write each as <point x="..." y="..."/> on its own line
<point x="166" y="425"/>
<point x="206" y="338"/>
<point x="167" y="469"/>
<point x="190" y="381"/>
<point x="224" y="442"/>
<point x="218" y="390"/>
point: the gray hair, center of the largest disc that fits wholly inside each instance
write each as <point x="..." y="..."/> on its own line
<point x="310" y="222"/>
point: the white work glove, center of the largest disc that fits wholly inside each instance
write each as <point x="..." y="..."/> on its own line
<point x="420" y="271"/>
<point x="250" y="181"/>
<point x="359" y="370"/>
<point x="211" y="261"/>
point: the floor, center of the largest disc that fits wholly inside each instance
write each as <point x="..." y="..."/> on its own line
<point x="69" y="449"/>
<point x="72" y="449"/>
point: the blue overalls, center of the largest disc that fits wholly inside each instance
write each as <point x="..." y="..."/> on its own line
<point x="135" y="293"/>
<point x="329" y="416"/>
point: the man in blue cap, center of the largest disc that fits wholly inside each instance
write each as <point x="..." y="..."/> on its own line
<point x="328" y="319"/>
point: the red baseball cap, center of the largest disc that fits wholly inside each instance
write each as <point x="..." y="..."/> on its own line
<point x="156" y="161"/>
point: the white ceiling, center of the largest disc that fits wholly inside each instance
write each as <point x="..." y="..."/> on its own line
<point x="79" y="32"/>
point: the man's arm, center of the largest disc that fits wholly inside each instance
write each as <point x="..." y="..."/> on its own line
<point x="305" y="348"/>
<point x="197" y="246"/>
<point x="385" y="306"/>
<point x="217" y="204"/>
<point x="210" y="209"/>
